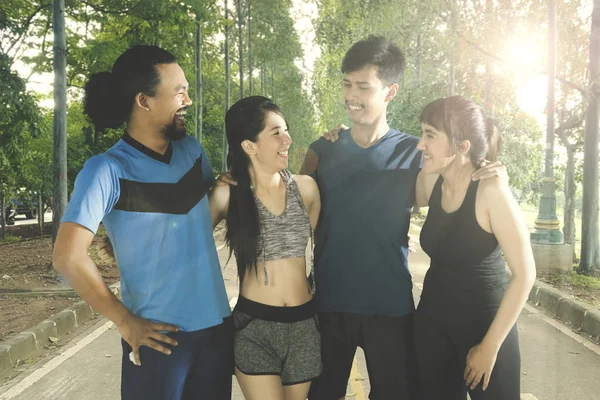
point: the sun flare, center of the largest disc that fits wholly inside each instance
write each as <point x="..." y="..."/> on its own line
<point x="527" y="57"/>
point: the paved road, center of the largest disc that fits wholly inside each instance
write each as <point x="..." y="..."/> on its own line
<point x="557" y="363"/>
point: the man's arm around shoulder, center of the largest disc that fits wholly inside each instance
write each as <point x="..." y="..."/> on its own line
<point x="310" y="163"/>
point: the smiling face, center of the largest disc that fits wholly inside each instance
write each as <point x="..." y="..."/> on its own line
<point x="169" y="104"/>
<point x="273" y="143"/>
<point x="366" y="96"/>
<point x="438" y="152"/>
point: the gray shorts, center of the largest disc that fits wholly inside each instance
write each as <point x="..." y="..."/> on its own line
<point x="282" y="341"/>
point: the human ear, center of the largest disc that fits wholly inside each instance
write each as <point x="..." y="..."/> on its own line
<point x="464" y="147"/>
<point x="392" y="91"/>
<point x="249" y="147"/>
<point x="141" y="100"/>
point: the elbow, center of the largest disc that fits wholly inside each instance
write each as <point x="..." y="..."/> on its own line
<point x="528" y="276"/>
<point x="530" y="271"/>
<point x="531" y="276"/>
<point x="524" y="277"/>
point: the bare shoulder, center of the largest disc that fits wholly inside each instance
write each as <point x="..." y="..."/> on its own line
<point x="306" y="183"/>
<point x="494" y="191"/>
<point x="308" y="187"/>
<point x="424" y="188"/>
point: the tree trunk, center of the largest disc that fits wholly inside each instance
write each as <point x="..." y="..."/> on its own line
<point x="60" y="116"/>
<point x="263" y="80"/>
<point x="452" y="76"/>
<point x="40" y="206"/>
<point x="488" y="103"/>
<point x="198" y="78"/>
<point x="570" y="190"/>
<point x="250" y="85"/>
<point x="551" y="105"/>
<point x="227" y="88"/>
<point x="452" y="72"/>
<point x="240" y="46"/>
<point x="4" y="216"/>
<point x="590" y="254"/>
<point x="273" y="83"/>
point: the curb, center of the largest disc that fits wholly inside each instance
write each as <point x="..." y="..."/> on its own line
<point x="32" y="342"/>
<point x="582" y="317"/>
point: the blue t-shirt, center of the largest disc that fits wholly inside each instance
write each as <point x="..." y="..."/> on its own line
<point x="155" y="210"/>
<point x="361" y="241"/>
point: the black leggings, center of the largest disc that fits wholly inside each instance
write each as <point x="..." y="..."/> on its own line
<point x="443" y="340"/>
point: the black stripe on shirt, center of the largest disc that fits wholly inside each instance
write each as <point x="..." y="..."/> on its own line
<point x="166" y="198"/>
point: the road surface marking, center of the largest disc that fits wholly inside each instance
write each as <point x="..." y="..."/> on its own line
<point x="564" y="329"/>
<point x="55" y="362"/>
<point x="233" y="302"/>
<point x="356" y="382"/>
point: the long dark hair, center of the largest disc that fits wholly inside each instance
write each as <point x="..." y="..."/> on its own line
<point x="461" y="119"/>
<point x="109" y="96"/>
<point x="244" y="121"/>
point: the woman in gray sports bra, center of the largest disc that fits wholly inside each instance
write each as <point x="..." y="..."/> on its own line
<point x="270" y="215"/>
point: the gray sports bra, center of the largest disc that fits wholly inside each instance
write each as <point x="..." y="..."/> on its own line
<point x="286" y="235"/>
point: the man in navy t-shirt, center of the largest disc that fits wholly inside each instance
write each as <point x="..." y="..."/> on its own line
<point x="366" y="180"/>
<point x="150" y="190"/>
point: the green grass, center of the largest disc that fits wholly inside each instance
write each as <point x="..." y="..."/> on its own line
<point x="573" y="279"/>
<point x="10" y="239"/>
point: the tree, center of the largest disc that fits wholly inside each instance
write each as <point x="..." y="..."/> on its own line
<point x="240" y="20"/>
<point x="198" y="78"/>
<point x="569" y="186"/>
<point x="36" y="172"/>
<point x="19" y="119"/>
<point x="570" y="107"/>
<point x="98" y="31"/>
<point x="436" y="36"/>
<point x="250" y="72"/>
<point x="590" y="246"/>
<point x="275" y="42"/>
<point x="21" y="22"/>
<point x="227" y="87"/>
<point x="60" y="116"/>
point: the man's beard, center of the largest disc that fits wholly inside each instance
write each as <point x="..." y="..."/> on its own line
<point x="174" y="132"/>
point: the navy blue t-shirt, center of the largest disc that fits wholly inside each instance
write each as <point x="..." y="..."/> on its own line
<point x="361" y="241"/>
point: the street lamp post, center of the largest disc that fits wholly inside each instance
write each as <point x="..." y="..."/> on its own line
<point x="547" y="226"/>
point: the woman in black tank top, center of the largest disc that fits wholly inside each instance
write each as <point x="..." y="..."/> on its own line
<point x="466" y="336"/>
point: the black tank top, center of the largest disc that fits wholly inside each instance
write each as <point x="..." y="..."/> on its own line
<point x="466" y="261"/>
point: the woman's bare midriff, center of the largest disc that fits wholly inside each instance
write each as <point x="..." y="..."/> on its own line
<point x="287" y="287"/>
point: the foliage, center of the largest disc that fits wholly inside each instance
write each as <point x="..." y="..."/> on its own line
<point x="19" y="121"/>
